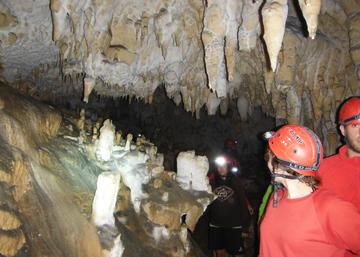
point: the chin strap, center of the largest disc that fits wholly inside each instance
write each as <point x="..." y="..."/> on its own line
<point x="277" y="185"/>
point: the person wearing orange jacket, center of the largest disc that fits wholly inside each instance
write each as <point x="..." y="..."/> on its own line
<point x="302" y="219"/>
<point x="340" y="173"/>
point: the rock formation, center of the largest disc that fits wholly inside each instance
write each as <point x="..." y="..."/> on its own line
<point x="59" y="198"/>
<point x="202" y="52"/>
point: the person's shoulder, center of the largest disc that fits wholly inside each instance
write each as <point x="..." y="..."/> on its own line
<point x="329" y="203"/>
<point x="329" y="164"/>
<point x="331" y="159"/>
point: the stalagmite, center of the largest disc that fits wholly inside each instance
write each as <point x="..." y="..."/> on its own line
<point x="106" y="141"/>
<point x="134" y="174"/>
<point x="192" y="171"/>
<point x="184" y="237"/>
<point x="118" y="137"/>
<point x="89" y="84"/>
<point x="274" y="14"/>
<point x="129" y="139"/>
<point x="103" y="207"/>
<point x="81" y="122"/>
<point x="310" y="10"/>
<point x="95" y="134"/>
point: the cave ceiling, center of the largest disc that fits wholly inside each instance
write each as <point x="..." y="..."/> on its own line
<point x="297" y="60"/>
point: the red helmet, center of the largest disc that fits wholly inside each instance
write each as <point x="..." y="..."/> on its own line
<point x="350" y="111"/>
<point x="298" y="148"/>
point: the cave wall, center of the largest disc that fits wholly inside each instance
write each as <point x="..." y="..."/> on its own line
<point x="173" y="129"/>
<point x="59" y="48"/>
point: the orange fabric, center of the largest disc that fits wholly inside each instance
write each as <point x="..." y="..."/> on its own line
<point x="341" y="175"/>
<point x="320" y="225"/>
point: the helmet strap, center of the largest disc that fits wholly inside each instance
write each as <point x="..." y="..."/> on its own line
<point x="287" y="176"/>
<point x="355" y="117"/>
<point x="277" y="185"/>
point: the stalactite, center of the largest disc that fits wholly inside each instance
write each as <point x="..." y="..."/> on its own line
<point x="310" y="10"/>
<point x="89" y="84"/>
<point x="243" y="107"/>
<point x="224" y="106"/>
<point x="293" y="107"/>
<point x="274" y="15"/>
<point x="213" y="37"/>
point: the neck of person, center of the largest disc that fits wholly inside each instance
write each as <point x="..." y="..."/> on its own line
<point x="351" y="153"/>
<point x="297" y="189"/>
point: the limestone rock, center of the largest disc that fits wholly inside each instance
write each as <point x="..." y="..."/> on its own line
<point x="192" y="171"/>
<point x="311" y="9"/>
<point x="274" y="15"/>
<point x="8" y="221"/>
<point x="11" y="244"/>
<point x="89" y="84"/>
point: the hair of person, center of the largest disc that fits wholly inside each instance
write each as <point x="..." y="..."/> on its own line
<point x="310" y="181"/>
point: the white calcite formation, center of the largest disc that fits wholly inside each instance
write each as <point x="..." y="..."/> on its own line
<point x="311" y="10"/>
<point x="97" y="208"/>
<point x="105" y="144"/>
<point x="192" y="171"/>
<point x="135" y="174"/>
<point x="89" y="84"/>
<point x="274" y="14"/>
<point x="103" y="207"/>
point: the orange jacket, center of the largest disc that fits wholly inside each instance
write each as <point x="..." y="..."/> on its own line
<point x="341" y="175"/>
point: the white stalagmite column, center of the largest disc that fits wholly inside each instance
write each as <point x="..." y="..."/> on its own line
<point x="192" y="171"/>
<point x="129" y="139"/>
<point x="106" y="141"/>
<point x="103" y="207"/>
<point x="199" y="180"/>
<point x="89" y="84"/>
<point x="183" y="175"/>
<point x="274" y="14"/>
<point x="311" y="9"/>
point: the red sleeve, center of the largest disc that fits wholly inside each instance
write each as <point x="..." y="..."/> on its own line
<point x="341" y="223"/>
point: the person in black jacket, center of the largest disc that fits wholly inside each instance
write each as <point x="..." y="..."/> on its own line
<point x="228" y="213"/>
